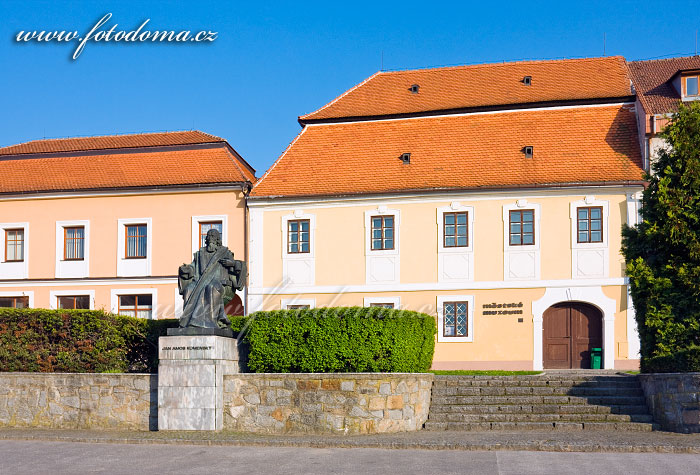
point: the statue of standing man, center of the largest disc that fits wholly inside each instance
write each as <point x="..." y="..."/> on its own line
<point x="209" y="283"/>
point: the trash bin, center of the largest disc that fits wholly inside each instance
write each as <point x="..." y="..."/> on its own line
<point x="596" y="358"/>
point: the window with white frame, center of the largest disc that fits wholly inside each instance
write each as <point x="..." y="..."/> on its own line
<point x="455" y="232"/>
<point x="297" y="304"/>
<point x="383" y="302"/>
<point x="691" y="86"/>
<point x="382" y="245"/>
<point x="205" y="227"/>
<point x="14" y="245"/>
<point x="72" y="249"/>
<point x="522" y="227"/>
<point x="139" y="305"/>
<point x="203" y="223"/>
<point x="382" y="233"/>
<point x="298" y="248"/>
<point x="17" y="301"/>
<point x="14" y="241"/>
<point x="455" y="243"/>
<point x="136" y="241"/>
<point x="521" y="240"/>
<point x="72" y="299"/>
<point x="589" y="224"/>
<point x="73" y="302"/>
<point x="142" y="303"/>
<point x="298" y="236"/>
<point x="590" y="253"/>
<point x="74" y="243"/>
<point x="455" y="318"/>
<point x="134" y="247"/>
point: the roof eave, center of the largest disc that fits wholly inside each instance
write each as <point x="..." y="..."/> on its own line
<point x="535" y="186"/>
<point x="146" y="188"/>
<point x="466" y="110"/>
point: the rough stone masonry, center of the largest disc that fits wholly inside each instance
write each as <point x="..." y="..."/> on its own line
<point x="78" y="401"/>
<point x="345" y="403"/>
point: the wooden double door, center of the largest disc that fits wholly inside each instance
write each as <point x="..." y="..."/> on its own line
<point x="571" y="330"/>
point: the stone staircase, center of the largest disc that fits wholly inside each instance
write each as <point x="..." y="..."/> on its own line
<point x="552" y="400"/>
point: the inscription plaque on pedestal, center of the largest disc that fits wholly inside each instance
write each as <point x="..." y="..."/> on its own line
<point x="191" y="378"/>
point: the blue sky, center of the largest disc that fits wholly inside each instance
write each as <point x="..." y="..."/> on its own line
<point x="273" y="61"/>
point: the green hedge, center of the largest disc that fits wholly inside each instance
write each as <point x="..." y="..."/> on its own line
<point x="78" y="341"/>
<point x="342" y="339"/>
<point x="321" y="340"/>
<point x="682" y="361"/>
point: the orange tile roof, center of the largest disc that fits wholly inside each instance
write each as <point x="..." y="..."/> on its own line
<point x="82" y="171"/>
<point x="576" y="145"/>
<point x="651" y="80"/>
<point x="111" y="142"/>
<point x="387" y="93"/>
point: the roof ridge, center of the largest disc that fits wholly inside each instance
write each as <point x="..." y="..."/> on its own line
<point x="674" y="58"/>
<point x="238" y="165"/>
<point x="125" y="134"/>
<point x="502" y="63"/>
<point x="111" y="142"/>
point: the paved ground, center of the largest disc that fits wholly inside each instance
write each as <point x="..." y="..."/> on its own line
<point x="551" y="441"/>
<point x="39" y="457"/>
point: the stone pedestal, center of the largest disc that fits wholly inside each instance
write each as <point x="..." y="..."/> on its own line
<point x="191" y="380"/>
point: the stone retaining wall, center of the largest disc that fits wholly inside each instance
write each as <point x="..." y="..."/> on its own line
<point x="345" y="403"/>
<point x="79" y="401"/>
<point x="674" y="400"/>
<point x="357" y="403"/>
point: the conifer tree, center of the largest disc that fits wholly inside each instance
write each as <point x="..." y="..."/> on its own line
<point x="663" y="250"/>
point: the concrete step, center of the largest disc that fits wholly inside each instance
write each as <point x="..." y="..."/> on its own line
<point x="539" y="377"/>
<point x="622" y="383"/>
<point x="531" y="417"/>
<point x="480" y="426"/>
<point x="537" y="390"/>
<point x="537" y="409"/>
<point x="537" y="399"/>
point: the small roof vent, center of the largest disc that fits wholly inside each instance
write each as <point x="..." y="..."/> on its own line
<point x="405" y="158"/>
<point x="414" y="89"/>
<point x="527" y="80"/>
<point x="528" y="150"/>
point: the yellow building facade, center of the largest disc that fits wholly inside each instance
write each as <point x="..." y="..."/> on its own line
<point x="104" y="222"/>
<point x="502" y="222"/>
<point x="507" y="289"/>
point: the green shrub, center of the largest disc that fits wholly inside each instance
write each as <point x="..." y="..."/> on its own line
<point x="78" y="341"/>
<point x="237" y="323"/>
<point x="340" y="339"/>
<point x="682" y="361"/>
<point x="142" y="342"/>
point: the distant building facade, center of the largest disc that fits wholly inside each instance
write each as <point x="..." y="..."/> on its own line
<point x="104" y="222"/>
<point x="660" y="85"/>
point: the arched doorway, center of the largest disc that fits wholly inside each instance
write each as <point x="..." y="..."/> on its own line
<point x="571" y="329"/>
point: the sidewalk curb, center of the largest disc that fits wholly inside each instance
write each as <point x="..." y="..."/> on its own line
<point x="329" y="442"/>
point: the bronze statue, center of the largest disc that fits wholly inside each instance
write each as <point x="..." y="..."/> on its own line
<point x="209" y="283"/>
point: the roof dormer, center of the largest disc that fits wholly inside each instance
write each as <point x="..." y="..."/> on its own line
<point x="687" y="84"/>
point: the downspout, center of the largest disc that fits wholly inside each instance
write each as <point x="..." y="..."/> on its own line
<point x="247" y="187"/>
